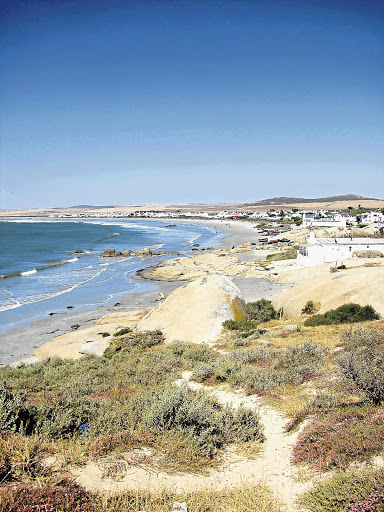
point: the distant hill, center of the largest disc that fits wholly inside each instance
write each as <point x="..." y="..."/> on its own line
<point x="294" y="200"/>
<point x="83" y="207"/>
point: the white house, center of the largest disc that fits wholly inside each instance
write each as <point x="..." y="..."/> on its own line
<point x="318" y="251"/>
<point x="373" y="218"/>
<point x="338" y="221"/>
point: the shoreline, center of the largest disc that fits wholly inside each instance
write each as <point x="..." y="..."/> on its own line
<point x="19" y="343"/>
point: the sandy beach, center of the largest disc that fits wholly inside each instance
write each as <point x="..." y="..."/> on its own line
<point x="18" y="344"/>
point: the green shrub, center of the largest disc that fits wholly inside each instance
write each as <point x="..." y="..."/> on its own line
<point x="127" y="340"/>
<point x="15" y="414"/>
<point x="63" y="416"/>
<point x="259" y="379"/>
<point x="302" y="361"/>
<point x="309" y="308"/>
<point x="121" y="332"/>
<point x="251" y="355"/>
<point x="244" y="325"/>
<point x="363" y="362"/>
<point x="362" y="337"/>
<point x="347" y="313"/>
<point x="203" y="371"/>
<point x="190" y="352"/>
<point x="354" y="491"/>
<point x="261" y="311"/>
<point x="197" y="414"/>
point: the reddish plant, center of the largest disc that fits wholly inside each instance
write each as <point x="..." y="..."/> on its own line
<point x="66" y="497"/>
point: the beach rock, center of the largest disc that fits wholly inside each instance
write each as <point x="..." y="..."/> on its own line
<point x="111" y="253"/>
<point x="359" y="284"/>
<point x="74" y="327"/>
<point x="161" y="296"/>
<point x="72" y="344"/>
<point x="195" y="312"/>
<point x="145" y="252"/>
<point x="79" y="251"/>
<point x="95" y="348"/>
<point x="92" y="340"/>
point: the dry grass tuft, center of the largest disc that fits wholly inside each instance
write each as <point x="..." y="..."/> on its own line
<point x="247" y="498"/>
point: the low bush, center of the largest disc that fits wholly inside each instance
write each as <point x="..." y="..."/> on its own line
<point x="363" y="362"/>
<point x="253" y="379"/>
<point x="355" y="491"/>
<point x="251" y="355"/>
<point x="196" y="414"/>
<point x="125" y="339"/>
<point x="121" y="332"/>
<point x="345" y="314"/>
<point x="261" y="311"/>
<point x="309" y="308"/>
<point x="63" y="416"/>
<point x="190" y="352"/>
<point x="64" y="497"/>
<point x="15" y="414"/>
<point x="203" y="371"/>
<point x="340" y="437"/>
<point x="244" y="325"/>
<point x="300" y="362"/>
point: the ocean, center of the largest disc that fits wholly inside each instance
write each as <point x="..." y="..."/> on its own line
<point x="40" y="271"/>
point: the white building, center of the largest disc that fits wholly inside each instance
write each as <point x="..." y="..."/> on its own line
<point x="338" y="221"/>
<point x="334" y="250"/>
<point x="373" y="218"/>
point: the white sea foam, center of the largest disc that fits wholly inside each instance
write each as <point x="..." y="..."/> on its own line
<point x="128" y="225"/>
<point x="28" y="272"/>
<point x="191" y="240"/>
<point x="72" y="260"/>
<point x="17" y="304"/>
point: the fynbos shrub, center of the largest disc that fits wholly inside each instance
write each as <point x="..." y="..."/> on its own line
<point x="15" y="415"/>
<point x="300" y="360"/>
<point x="345" y="314"/>
<point x="363" y="362"/>
<point x="261" y="311"/>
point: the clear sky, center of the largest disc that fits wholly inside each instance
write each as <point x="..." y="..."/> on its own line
<point x="129" y="102"/>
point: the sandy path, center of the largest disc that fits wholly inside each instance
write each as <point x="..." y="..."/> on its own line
<point x="273" y="467"/>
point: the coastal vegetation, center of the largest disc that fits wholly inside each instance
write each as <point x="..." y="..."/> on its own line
<point x="288" y="254"/>
<point x="345" y="314"/>
<point x="135" y="401"/>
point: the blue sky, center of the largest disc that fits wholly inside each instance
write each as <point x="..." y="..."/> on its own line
<point x="112" y="102"/>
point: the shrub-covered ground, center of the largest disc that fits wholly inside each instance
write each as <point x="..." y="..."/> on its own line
<point x="93" y="408"/>
<point x="119" y="402"/>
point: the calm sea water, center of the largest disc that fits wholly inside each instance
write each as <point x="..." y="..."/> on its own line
<point x="40" y="272"/>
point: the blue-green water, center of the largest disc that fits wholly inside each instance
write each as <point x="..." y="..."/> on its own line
<point x="40" y="272"/>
